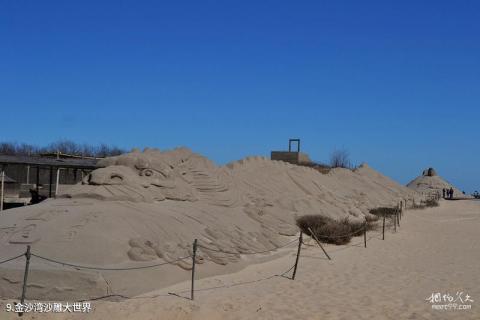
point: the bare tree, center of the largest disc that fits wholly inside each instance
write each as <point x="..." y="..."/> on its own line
<point x="7" y="148"/>
<point x="25" y="149"/>
<point x="103" y="150"/>
<point x="340" y="159"/>
<point x="115" y="151"/>
<point x="64" y="146"/>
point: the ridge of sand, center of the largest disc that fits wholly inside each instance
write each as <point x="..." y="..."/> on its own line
<point x="147" y="207"/>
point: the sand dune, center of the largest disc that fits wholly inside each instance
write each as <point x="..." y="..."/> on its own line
<point x="431" y="183"/>
<point x="146" y="208"/>
<point x="435" y="250"/>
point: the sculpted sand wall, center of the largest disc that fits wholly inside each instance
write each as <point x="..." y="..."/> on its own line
<point x="149" y="206"/>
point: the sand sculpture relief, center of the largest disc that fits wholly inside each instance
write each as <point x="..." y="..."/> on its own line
<point x="149" y="206"/>
<point x="431" y="182"/>
<point x="138" y="176"/>
<point x="267" y="194"/>
<point x="182" y="176"/>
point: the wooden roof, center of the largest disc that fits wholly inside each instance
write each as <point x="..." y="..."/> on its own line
<point x="89" y="164"/>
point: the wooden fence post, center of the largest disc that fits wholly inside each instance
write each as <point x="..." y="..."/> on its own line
<point x="2" y="189"/>
<point x="401" y="209"/>
<point x="37" y="186"/>
<point x="57" y="183"/>
<point x="383" y="232"/>
<point x="365" y="234"/>
<point x="25" y="277"/>
<point x="193" y="267"/>
<point x="398" y="218"/>
<point x="318" y="242"/>
<point x="50" y="182"/>
<point x="300" y="240"/>
<point x="395" y="221"/>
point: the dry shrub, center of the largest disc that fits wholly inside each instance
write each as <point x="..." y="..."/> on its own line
<point x="418" y="206"/>
<point x="384" y="211"/>
<point x="324" y="169"/>
<point x="320" y="167"/>
<point x="431" y="203"/>
<point x="340" y="159"/>
<point x="329" y="230"/>
<point x="371" y="218"/>
<point x="388" y="212"/>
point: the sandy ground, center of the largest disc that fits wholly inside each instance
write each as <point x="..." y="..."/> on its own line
<point x="434" y="250"/>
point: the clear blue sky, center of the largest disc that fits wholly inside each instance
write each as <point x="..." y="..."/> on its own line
<point x="397" y="83"/>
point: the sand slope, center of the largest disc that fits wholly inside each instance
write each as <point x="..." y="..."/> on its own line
<point x="147" y="207"/>
<point x="435" y="250"/>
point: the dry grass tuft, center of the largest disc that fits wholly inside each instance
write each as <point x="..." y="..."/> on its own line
<point x="340" y="159"/>
<point x="430" y="203"/>
<point x="389" y="212"/>
<point x="329" y="230"/>
<point x="384" y="211"/>
<point x="320" y="167"/>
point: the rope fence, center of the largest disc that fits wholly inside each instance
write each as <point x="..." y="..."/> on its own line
<point x="247" y="253"/>
<point x="11" y="259"/>
<point x="196" y="245"/>
<point x="109" y="269"/>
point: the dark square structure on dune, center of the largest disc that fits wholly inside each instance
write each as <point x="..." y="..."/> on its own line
<point x="294" y="157"/>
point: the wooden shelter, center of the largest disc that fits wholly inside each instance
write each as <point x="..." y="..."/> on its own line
<point x="43" y="169"/>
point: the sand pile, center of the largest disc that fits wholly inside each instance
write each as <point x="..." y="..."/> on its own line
<point x="147" y="207"/>
<point x="431" y="183"/>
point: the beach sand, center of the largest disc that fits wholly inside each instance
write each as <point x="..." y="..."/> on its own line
<point x="434" y="250"/>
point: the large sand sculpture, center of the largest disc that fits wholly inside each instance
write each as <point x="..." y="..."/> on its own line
<point x="147" y="207"/>
<point x="431" y="183"/>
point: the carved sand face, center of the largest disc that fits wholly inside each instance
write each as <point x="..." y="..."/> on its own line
<point x="113" y="175"/>
<point x="145" y="176"/>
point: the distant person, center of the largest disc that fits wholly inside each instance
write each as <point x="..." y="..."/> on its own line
<point x="451" y="193"/>
<point x="36" y="197"/>
<point x="444" y="191"/>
